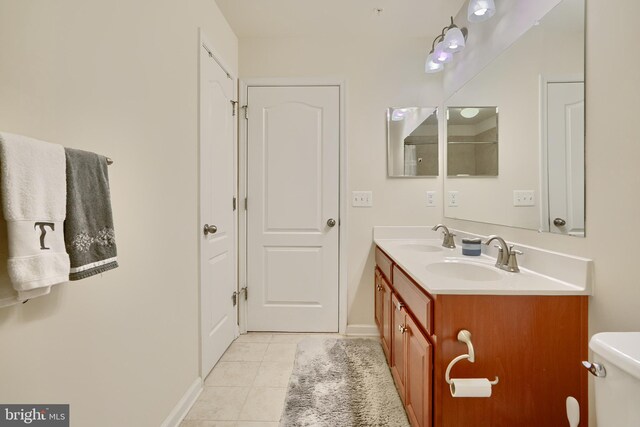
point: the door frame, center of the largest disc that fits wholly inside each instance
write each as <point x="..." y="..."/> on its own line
<point x="544" y="80"/>
<point x="203" y="42"/>
<point x="342" y="189"/>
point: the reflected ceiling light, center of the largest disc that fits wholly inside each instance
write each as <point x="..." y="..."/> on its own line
<point x="469" y="113"/>
<point x="450" y="40"/>
<point x="480" y="10"/>
<point x="398" y="114"/>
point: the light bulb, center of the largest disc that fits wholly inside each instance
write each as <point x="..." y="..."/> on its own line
<point x="440" y="55"/>
<point x="432" y="67"/>
<point x="454" y="40"/>
<point x="480" y="10"/>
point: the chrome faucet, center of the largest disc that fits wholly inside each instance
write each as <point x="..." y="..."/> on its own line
<point x="447" y="236"/>
<point x="507" y="256"/>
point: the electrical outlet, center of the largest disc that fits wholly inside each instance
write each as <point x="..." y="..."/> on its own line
<point x="453" y="199"/>
<point x="524" y="198"/>
<point x="362" y="199"/>
<point x="431" y="199"/>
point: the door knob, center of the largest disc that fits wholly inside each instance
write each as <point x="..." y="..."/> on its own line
<point x="559" y="222"/>
<point x="210" y="229"/>
<point x="331" y="222"/>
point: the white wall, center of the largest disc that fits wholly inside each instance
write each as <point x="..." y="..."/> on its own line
<point x="118" y="78"/>
<point x="379" y="73"/>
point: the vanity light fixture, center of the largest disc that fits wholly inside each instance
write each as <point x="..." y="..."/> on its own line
<point x="440" y="55"/>
<point x="454" y="40"/>
<point x="431" y="66"/>
<point x="480" y="10"/>
<point x="450" y="40"/>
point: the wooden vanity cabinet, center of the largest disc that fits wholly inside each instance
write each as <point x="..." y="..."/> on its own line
<point x="398" y="346"/>
<point x="418" y="387"/>
<point x="411" y="351"/>
<point x="378" y="299"/>
<point x="386" y="319"/>
<point x="533" y="343"/>
<point x="383" y="312"/>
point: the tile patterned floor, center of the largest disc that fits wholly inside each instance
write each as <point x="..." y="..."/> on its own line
<point x="247" y="387"/>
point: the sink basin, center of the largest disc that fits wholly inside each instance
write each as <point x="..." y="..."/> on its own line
<point x="464" y="271"/>
<point x="419" y="247"/>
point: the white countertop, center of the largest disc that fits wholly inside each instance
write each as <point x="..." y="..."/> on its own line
<point x="418" y="251"/>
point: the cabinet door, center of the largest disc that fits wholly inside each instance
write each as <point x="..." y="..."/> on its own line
<point x="398" y="360"/>
<point x="386" y="318"/>
<point x="418" y="376"/>
<point x="378" y="300"/>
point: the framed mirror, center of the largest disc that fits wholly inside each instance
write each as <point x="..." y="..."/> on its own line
<point x="472" y="141"/>
<point x="539" y="91"/>
<point x="412" y="142"/>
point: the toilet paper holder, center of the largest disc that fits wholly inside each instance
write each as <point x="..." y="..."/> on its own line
<point x="465" y="337"/>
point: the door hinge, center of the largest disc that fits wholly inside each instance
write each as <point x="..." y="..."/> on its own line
<point x="245" y="291"/>
<point x="246" y="111"/>
<point x="245" y="203"/>
<point x="234" y="105"/>
<point x="234" y="298"/>
<point x="234" y="203"/>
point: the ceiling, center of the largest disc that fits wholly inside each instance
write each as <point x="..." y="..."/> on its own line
<point x="338" y="18"/>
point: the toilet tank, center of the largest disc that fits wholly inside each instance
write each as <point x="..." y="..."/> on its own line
<point x="617" y="393"/>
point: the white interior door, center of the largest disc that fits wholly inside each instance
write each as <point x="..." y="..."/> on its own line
<point x="293" y="191"/>
<point x="217" y="243"/>
<point x="565" y="145"/>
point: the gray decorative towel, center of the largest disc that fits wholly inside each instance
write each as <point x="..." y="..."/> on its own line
<point x="88" y="229"/>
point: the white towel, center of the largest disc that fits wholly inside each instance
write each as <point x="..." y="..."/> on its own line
<point x="33" y="187"/>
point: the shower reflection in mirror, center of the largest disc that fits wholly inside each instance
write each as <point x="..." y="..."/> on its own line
<point x="412" y="142"/>
<point x="472" y="141"/>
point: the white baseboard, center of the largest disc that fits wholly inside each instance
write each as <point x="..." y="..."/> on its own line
<point x="362" y="330"/>
<point x="182" y="407"/>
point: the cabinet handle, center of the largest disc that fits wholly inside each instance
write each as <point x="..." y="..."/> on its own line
<point x="379" y="287"/>
<point x="402" y="328"/>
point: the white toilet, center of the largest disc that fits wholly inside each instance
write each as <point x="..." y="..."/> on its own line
<point x="616" y="366"/>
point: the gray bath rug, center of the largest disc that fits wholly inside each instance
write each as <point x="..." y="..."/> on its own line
<point x="342" y="383"/>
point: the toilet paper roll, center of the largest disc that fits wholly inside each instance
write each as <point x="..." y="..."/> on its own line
<point x="470" y="387"/>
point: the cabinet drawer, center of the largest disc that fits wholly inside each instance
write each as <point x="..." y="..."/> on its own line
<point x="416" y="301"/>
<point x="384" y="263"/>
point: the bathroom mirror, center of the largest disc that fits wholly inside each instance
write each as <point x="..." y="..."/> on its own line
<point x="472" y="141"/>
<point x="537" y="84"/>
<point x="412" y="142"/>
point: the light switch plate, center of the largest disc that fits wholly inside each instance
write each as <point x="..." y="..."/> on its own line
<point x="431" y="199"/>
<point x="453" y="199"/>
<point x="362" y="199"/>
<point x="524" y="198"/>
